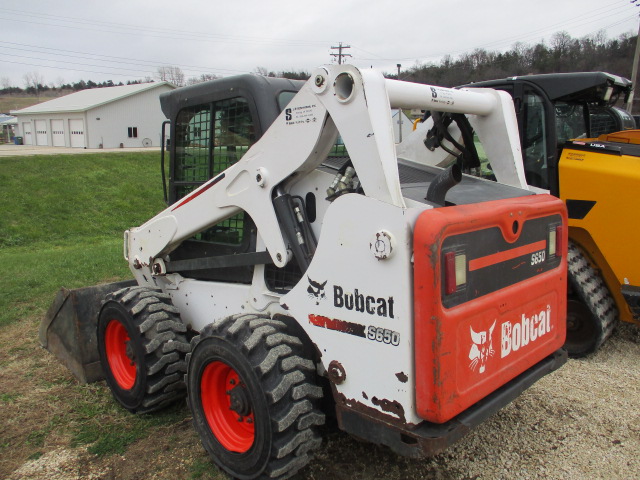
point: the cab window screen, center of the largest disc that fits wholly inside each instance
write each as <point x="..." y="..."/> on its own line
<point x="602" y="121"/>
<point x="209" y="139"/>
<point x="232" y="133"/>
<point x="192" y="146"/>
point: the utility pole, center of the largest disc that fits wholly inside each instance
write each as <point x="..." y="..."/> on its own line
<point x="340" y="47"/>
<point x="399" y="112"/>
<point x="634" y="71"/>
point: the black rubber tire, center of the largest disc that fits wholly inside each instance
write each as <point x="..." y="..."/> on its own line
<point x="591" y="311"/>
<point x="157" y="343"/>
<point x="281" y="389"/>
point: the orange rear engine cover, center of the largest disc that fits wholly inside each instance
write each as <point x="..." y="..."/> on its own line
<point x="508" y="310"/>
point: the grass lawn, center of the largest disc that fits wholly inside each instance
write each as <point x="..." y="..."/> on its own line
<point x="62" y="224"/>
<point x="15" y="102"/>
<point x="63" y="219"/>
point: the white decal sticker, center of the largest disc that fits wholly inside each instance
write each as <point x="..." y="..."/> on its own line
<point x="299" y="115"/>
<point x="481" y="348"/>
<point x="528" y="330"/>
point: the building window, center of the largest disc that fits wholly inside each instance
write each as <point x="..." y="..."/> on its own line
<point x="133" y="132"/>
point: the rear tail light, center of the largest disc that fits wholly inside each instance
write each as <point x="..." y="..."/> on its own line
<point x="555" y="241"/>
<point x="455" y="271"/>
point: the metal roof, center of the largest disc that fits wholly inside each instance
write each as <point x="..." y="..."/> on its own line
<point x="87" y="99"/>
<point x="8" y="119"/>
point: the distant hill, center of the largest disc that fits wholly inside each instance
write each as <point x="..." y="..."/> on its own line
<point x="562" y="53"/>
<point x="16" y="102"/>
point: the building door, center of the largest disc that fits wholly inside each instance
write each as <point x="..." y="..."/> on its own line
<point x="57" y="133"/>
<point x="26" y="133"/>
<point x="41" y="132"/>
<point x="76" y="131"/>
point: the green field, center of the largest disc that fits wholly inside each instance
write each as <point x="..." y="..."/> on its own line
<point x="62" y="224"/>
<point x="63" y="219"/>
<point x="15" y="102"/>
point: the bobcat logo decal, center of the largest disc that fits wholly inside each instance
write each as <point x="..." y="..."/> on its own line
<point x="316" y="290"/>
<point x="481" y="349"/>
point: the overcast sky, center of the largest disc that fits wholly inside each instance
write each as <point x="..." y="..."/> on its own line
<point x="128" y="39"/>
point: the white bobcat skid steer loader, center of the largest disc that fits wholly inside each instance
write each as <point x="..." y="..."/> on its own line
<point x="287" y="281"/>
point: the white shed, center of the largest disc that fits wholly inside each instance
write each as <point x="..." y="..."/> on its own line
<point x="108" y="117"/>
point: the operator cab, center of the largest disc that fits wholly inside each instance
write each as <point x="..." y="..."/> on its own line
<point x="554" y="108"/>
<point x="212" y="125"/>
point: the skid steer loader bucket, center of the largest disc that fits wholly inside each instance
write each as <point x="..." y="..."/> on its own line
<point x="68" y="329"/>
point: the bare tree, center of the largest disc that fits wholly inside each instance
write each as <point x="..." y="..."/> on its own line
<point x="5" y="82"/>
<point x="33" y="80"/>
<point x="205" y="77"/>
<point x="560" y="42"/>
<point x="261" y="71"/>
<point x="168" y="73"/>
<point x="524" y="56"/>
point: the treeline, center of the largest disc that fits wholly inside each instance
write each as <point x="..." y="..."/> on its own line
<point x="52" y="90"/>
<point x="290" y="74"/>
<point x="562" y="53"/>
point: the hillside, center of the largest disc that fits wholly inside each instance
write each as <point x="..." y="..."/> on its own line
<point x="64" y="216"/>
<point x="16" y="102"/>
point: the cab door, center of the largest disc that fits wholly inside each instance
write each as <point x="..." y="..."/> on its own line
<point x="206" y="140"/>
<point x="537" y="125"/>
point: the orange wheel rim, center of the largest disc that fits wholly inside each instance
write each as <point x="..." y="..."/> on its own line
<point x="122" y="364"/>
<point x="226" y="407"/>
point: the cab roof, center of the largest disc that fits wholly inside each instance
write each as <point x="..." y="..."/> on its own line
<point x="577" y="86"/>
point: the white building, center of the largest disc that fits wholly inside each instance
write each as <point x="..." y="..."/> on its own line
<point x="109" y="117"/>
<point x="7" y="128"/>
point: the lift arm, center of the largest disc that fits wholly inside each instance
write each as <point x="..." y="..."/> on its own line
<point x="339" y="99"/>
<point x="496" y="127"/>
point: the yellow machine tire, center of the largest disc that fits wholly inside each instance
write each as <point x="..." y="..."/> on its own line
<point x="591" y="311"/>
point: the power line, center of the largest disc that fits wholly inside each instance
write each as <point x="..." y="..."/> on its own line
<point x="108" y="58"/>
<point x="64" y="68"/>
<point x="129" y="29"/>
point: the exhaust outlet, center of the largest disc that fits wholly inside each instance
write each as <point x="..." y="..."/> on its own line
<point x="438" y="189"/>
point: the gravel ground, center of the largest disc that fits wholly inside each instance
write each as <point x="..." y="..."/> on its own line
<point x="580" y="422"/>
